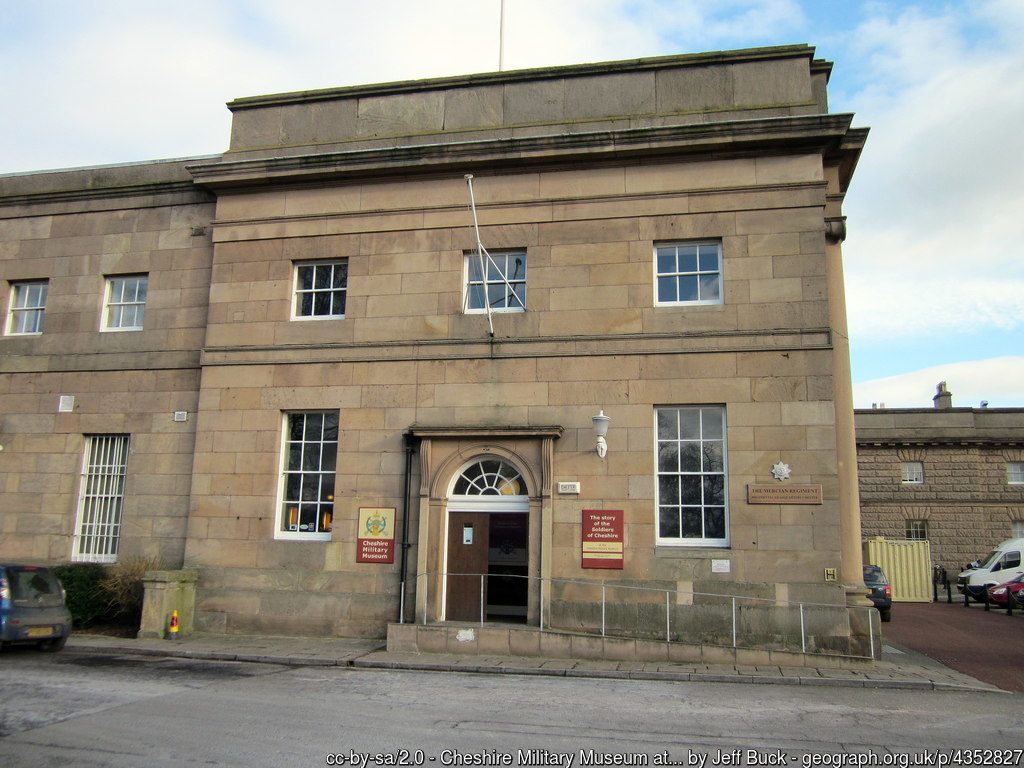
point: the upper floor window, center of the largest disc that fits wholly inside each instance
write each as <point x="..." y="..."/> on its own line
<point x="1015" y="472"/>
<point x="688" y="273"/>
<point x="691" y="489"/>
<point x="309" y="463"/>
<point x="917" y="530"/>
<point x="495" y="281"/>
<point x="321" y="288"/>
<point x="28" y="300"/>
<point x="911" y="472"/>
<point x="125" y="303"/>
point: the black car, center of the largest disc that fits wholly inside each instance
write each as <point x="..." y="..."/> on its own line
<point x="879" y="590"/>
<point x="32" y="607"/>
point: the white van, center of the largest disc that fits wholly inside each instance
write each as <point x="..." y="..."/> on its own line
<point x="1000" y="566"/>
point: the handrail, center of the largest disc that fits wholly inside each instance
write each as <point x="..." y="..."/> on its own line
<point x="605" y="585"/>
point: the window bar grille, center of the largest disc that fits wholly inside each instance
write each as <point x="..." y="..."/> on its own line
<point x="102" y="498"/>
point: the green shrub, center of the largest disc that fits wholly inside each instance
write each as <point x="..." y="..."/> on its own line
<point x="85" y="597"/>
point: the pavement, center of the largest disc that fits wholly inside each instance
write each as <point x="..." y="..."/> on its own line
<point x="983" y="644"/>
<point x="900" y="667"/>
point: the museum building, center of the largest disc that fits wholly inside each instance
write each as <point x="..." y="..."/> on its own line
<point x="558" y="347"/>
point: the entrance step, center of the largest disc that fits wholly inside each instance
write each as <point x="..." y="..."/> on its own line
<point x="519" y="640"/>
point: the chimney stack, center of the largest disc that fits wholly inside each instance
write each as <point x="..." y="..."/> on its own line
<point x="943" y="397"/>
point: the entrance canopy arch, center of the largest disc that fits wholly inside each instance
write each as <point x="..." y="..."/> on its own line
<point x="480" y="470"/>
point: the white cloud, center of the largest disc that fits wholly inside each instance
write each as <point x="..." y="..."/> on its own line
<point x="997" y="380"/>
<point x="932" y="246"/>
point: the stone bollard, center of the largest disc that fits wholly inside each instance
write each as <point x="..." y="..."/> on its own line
<point x="167" y="592"/>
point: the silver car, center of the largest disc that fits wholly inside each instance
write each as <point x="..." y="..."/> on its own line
<point x="32" y="608"/>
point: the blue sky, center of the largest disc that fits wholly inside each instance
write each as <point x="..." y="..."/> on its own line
<point x="935" y="278"/>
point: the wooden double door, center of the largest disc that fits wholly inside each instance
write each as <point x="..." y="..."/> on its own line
<point x="488" y="563"/>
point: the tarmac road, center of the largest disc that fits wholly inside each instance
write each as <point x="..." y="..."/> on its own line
<point x="983" y="644"/>
<point x="127" y="711"/>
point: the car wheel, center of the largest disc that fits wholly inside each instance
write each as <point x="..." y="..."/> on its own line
<point x="54" y="645"/>
<point x="886" y="615"/>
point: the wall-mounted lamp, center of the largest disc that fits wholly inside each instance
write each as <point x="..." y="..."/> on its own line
<point x="600" y="430"/>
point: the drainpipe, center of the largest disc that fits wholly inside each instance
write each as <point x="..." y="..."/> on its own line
<point x="409" y="443"/>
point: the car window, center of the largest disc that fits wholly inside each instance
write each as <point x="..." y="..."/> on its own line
<point x="990" y="559"/>
<point x="873" y="574"/>
<point x="34" y="587"/>
<point x="1010" y="560"/>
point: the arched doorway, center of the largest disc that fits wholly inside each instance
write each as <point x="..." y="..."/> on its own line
<point x="487" y="543"/>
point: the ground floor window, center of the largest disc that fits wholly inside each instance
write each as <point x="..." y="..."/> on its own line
<point x="101" y="499"/>
<point x="691" y="471"/>
<point x="309" y="463"/>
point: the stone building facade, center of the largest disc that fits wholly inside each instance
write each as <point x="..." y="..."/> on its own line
<point x="329" y="352"/>
<point x="952" y="476"/>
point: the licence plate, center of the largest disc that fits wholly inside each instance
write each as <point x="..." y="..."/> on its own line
<point x="39" y="632"/>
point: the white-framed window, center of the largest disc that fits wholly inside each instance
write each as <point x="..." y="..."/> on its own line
<point x="688" y="273"/>
<point x="911" y="472"/>
<point x="308" y="464"/>
<point x="495" y="280"/>
<point x="27" y="303"/>
<point x="1015" y="472"/>
<point x="917" y="530"/>
<point x="1017" y="529"/>
<point x="101" y="499"/>
<point x="321" y="288"/>
<point x="692" y="476"/>
<point x="124" y="306"/>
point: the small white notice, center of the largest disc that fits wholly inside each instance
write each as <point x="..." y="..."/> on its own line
<point x="721" y="566"/>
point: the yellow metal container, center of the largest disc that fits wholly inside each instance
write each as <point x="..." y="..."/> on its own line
<point x="908" y="564"/>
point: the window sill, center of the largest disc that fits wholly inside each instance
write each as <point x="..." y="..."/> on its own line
<point x="286" y="536"/>
<point x="702" y="305"/>
<point x="692" y="551"/>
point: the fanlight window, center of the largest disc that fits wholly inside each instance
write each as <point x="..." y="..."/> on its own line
<point x="490" y="477"/>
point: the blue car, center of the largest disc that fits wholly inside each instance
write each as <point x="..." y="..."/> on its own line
<point x="879" y="590"/>
<point x="32" y="608"/>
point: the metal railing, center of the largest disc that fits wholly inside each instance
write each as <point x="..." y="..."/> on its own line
<point x="735" y="606"/>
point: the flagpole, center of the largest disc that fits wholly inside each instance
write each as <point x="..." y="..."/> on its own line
<point x="501" y="39"/>
<point x="480" y="251"/>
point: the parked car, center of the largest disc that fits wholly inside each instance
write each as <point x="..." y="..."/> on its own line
<point x="879" y="590"/>
<point x="32" y="608"/>
<point x="1000" y="594"/>
<point x="1002" y="564"/>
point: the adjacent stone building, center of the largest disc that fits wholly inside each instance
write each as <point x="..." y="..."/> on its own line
<point x="298" y="369"/>
<point x="952" y="476"/>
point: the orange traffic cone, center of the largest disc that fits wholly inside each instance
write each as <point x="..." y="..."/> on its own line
<point x="172" y="631"/>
